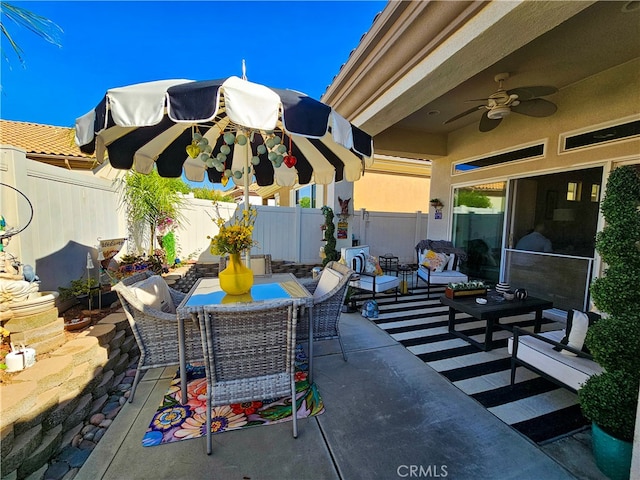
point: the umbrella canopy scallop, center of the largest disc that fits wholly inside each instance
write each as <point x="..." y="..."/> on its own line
<point x="226" y="129"/>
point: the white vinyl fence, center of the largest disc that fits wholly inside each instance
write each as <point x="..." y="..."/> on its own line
<point x="74" y="210"/>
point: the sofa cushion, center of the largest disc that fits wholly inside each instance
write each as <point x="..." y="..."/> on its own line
<point x="570" y="371"/>
<point x="154" y="292"/>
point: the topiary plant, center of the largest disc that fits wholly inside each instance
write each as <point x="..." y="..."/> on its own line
<point x="330" y="252"/>
<point x="610" y="399"/>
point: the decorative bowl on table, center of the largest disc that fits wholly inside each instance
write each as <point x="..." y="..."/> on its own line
<point x="509" y="295"/>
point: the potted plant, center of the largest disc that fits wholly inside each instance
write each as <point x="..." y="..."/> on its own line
<point x="610" y="399"/>
<point x="436" y="203"/>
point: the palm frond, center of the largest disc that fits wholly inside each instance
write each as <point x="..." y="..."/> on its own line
<point x="41" y="26"/>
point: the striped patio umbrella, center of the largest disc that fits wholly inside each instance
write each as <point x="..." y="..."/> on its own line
<point x="229" y="129"/>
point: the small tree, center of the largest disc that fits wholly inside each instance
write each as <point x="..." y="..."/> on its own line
<point x="149" y="200"/>
<point x="330" y="252"/>
<point x="610" y="399"/>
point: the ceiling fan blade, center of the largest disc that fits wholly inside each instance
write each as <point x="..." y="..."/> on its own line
<point x="538" y="107"/>
<point x="529" y="93"/>
<point x="487" y="124"/>
<point x="471" y="110"/>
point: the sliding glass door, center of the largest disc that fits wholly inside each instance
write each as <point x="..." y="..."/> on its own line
<point x="540" y="237"/>
<point x="478" y="223"/>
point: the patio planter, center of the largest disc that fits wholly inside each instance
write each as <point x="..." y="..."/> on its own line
<point x="613" y="456"/>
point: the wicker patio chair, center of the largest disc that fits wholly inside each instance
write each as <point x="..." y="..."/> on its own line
<point x="260" y="264"/>
<point x="250" y="354"/>
<point x="328" y="299"/>
<point x="155" y="331"/>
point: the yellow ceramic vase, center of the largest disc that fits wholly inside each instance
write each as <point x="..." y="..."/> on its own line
<point x="236" y="279"/>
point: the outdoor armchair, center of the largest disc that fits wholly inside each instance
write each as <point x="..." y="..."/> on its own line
<point x="260" y="264"/>
<point x="143" y="297"/>
<point x="439" y="263"/>
<point x="329" y="291"/>
<point x="366" y="276"/>
<point x="553" y="356"/>
<point x="249" y="354"/>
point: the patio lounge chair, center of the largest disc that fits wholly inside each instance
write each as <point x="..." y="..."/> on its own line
<point x="250" y="354"/>
<point x="149" y="305"/>
<point x="260" y="264"/>
<point x="444" y="268"/>
<point x="329" y="291"/>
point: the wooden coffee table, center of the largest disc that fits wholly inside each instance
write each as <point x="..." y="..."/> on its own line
<point x="492" y="312"/>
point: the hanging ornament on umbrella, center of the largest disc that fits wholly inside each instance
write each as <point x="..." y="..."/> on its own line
<point x="216" y="157"/>
<point x="290" y="160"/>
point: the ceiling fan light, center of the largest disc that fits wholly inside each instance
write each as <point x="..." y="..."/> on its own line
<point x="498" y="112"/>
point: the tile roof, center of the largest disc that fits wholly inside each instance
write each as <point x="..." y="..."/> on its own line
<point x="38" y="139"/>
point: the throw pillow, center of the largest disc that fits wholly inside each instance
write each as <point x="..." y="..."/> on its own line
<point x="576" y="331"/>
<point x="372" y="266"/>
<point x="433" y="260"/>
<point x="154" y="292"/>
<point x="359" y="262"/>
<point x="452" y="264"/>
<point x="443" y="262"/>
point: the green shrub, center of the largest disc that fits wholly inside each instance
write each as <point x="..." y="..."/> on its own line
<point x="330" y="251"/>
<point x="608" y="340"/>
<point x="77" y="288"/>
<point x="610" y="400"/>
<point x="169" y="247"/>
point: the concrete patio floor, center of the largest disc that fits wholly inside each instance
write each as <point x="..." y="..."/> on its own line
<point x="388" y="415"/>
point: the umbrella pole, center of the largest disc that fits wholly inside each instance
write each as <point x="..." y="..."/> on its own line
<point x="247" y="260"/>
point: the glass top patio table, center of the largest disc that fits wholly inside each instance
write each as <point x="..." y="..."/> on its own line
<point x="207" y="291"/>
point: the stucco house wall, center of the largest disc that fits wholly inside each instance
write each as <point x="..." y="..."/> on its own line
<point x="608" y="98"/>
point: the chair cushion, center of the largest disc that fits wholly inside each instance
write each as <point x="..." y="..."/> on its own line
<point x="383" y="283"/>
<point x="329" y="279"/>
<point x="258" y="266"/>
<point x="442" y="278"/>
<point x="570" y="371"/>
<point x="154" y="292"/>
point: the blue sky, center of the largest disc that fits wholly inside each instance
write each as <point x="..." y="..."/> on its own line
<point x="298" y="45"/>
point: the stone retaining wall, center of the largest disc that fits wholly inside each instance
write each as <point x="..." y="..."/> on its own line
<point x="47" y="405"/>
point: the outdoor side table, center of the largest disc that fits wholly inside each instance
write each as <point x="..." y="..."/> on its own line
<point x="406" y="272"/>
<point x="389" y="263"/>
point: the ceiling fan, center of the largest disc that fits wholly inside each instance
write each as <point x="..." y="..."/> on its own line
<point x="523" y="100"/>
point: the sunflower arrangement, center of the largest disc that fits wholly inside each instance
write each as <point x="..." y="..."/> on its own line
<point x="234" y="236"/>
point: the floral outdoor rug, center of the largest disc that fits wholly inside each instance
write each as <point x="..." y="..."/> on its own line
<point x="174" y="421"/>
